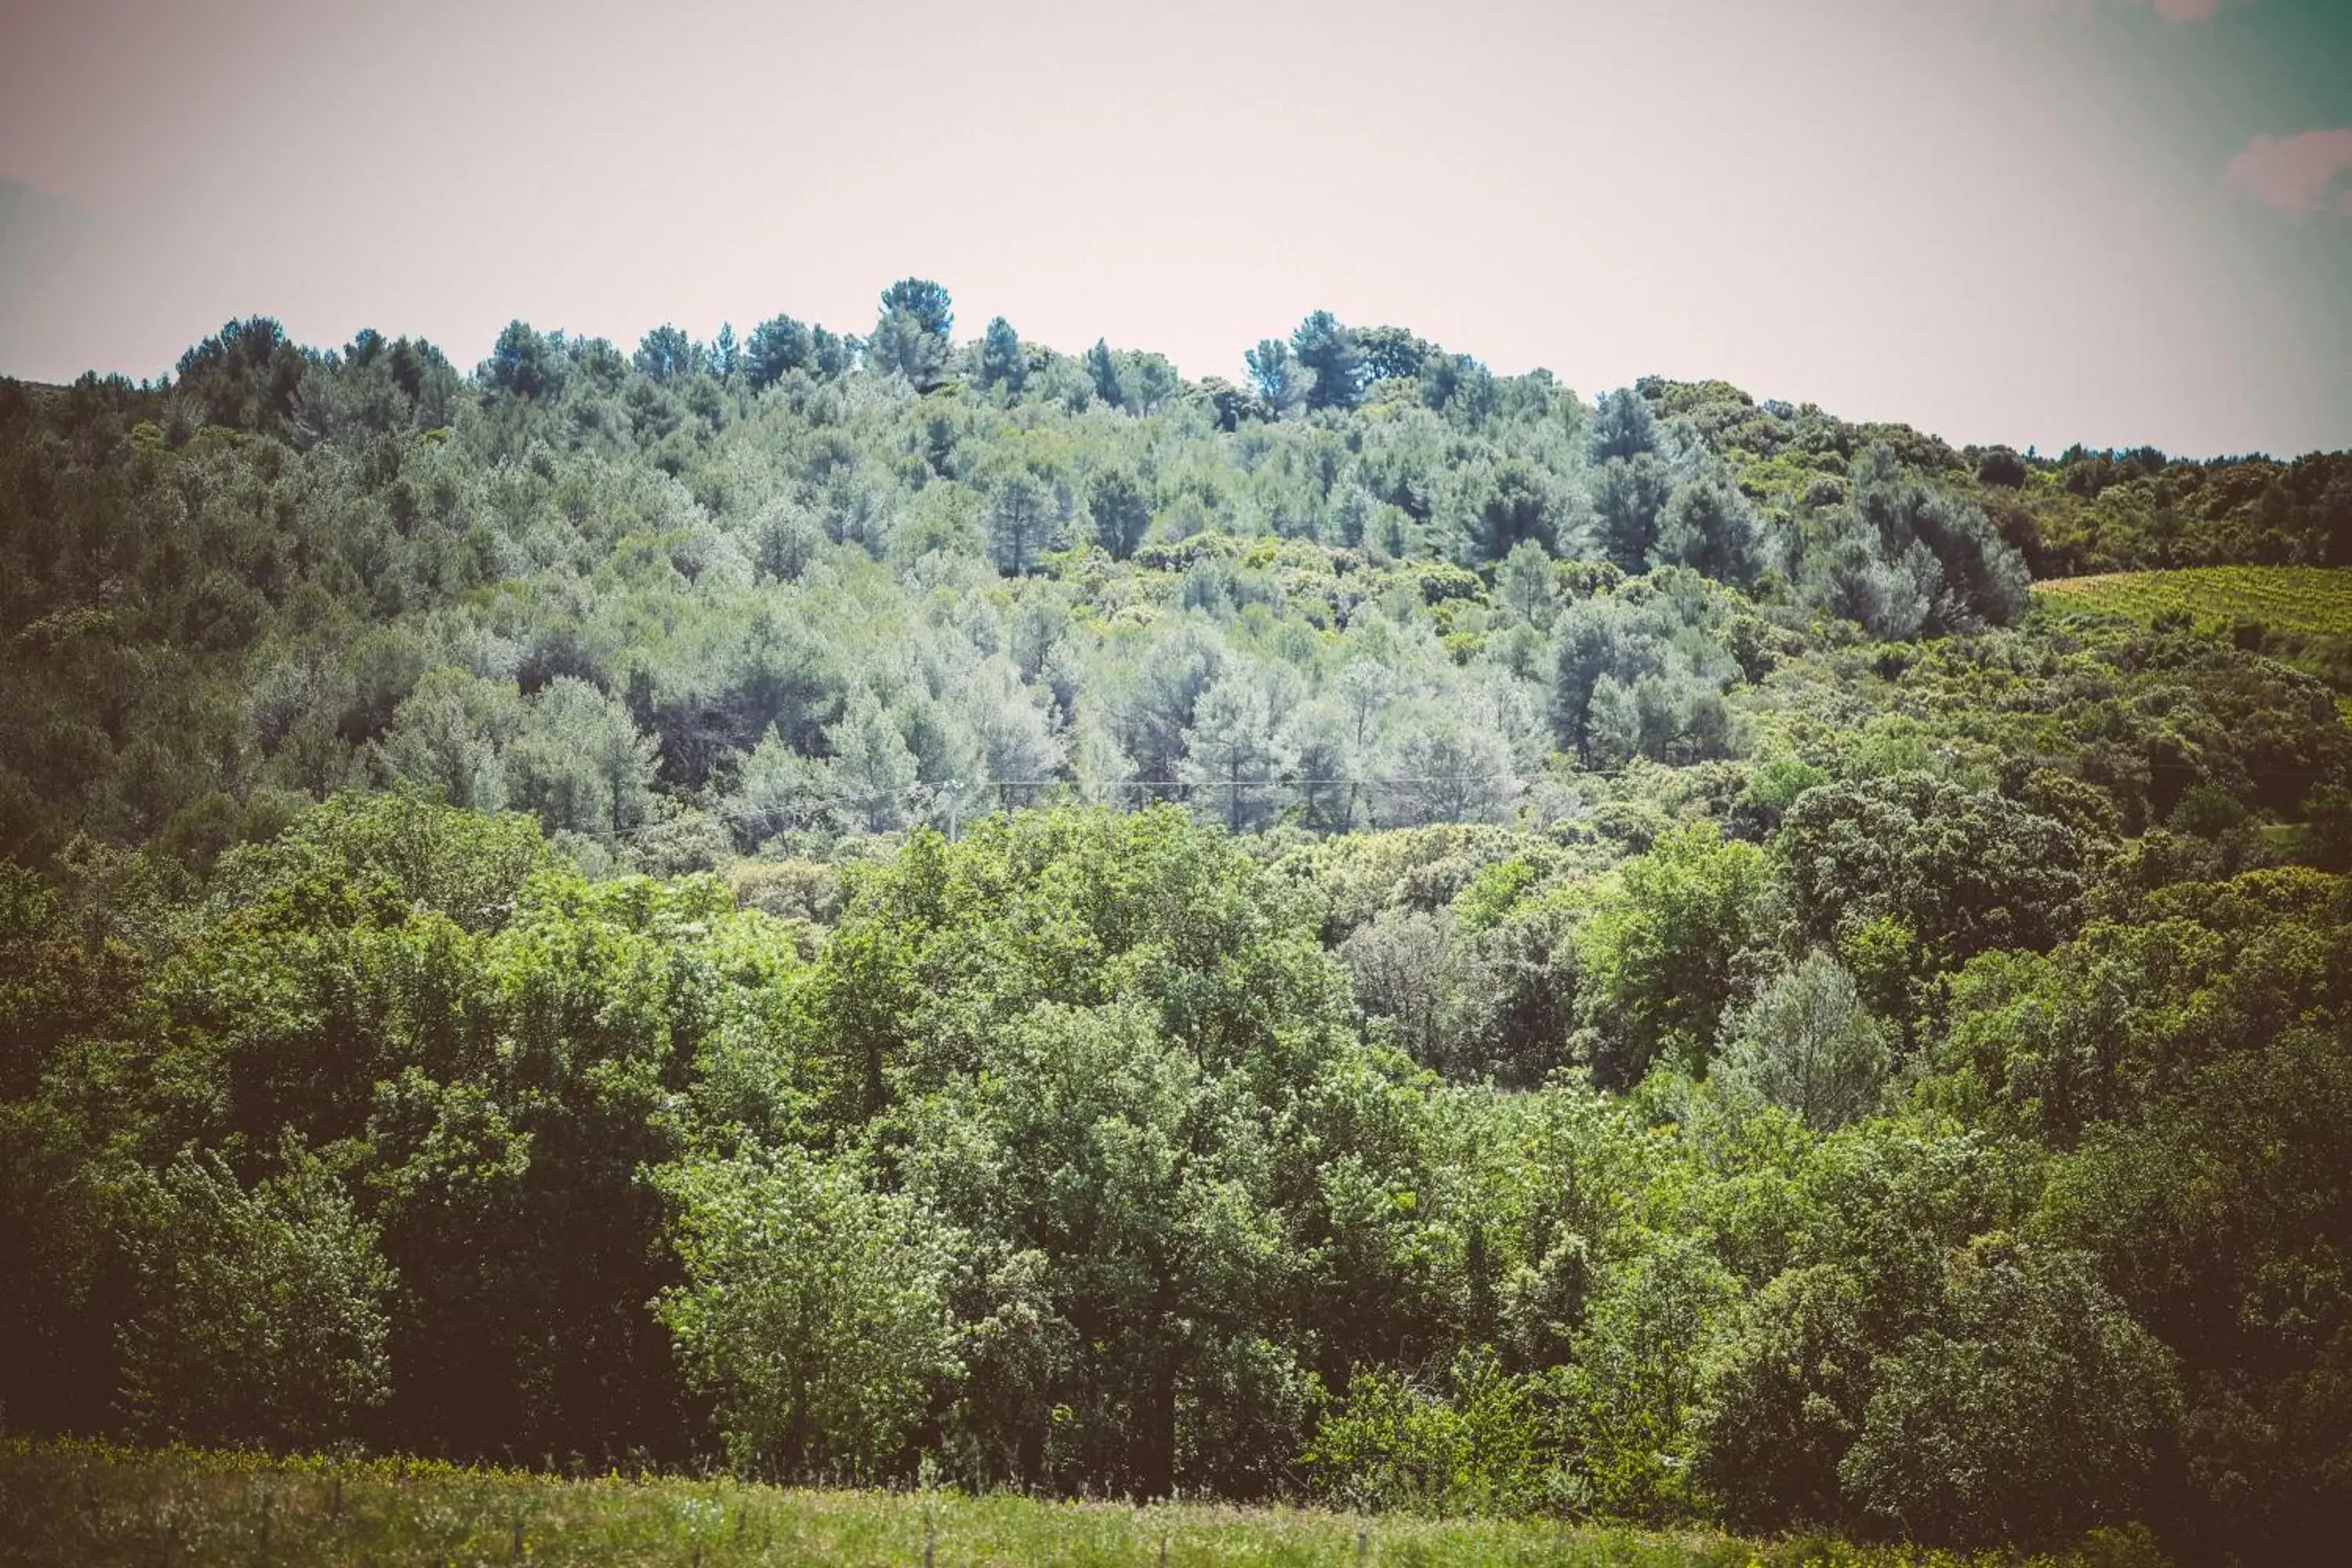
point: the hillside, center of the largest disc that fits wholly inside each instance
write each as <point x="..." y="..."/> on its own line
<point x="804" y="584"/>
<point x="885" y="910"/>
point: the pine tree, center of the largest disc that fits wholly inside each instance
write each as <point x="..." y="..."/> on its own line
<point x="1002" y="362"/>
<point x="1282" y="384"/>
<point x="1622" y="426"/>
<point x="1331" y="354"/>
<point x="1102" y="369"/>
<point x="1524" y="583"/>
<point x="872" y="770"/>
<point x="1709" y="526"/>
<point x="1021" y="521"/>
<point x="1231" y="753"/>
<point x="778" y="346"/>
<point x="667" y="354"/>
<point x="579" y="761"/>
<point x="1629" y="500"/>
<point x="1121" y="512"/>
<point x="912" y="336"/>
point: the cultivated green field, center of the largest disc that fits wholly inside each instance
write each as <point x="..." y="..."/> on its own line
<point x="179" y="1509"/>
<point x="2294" y="601"/>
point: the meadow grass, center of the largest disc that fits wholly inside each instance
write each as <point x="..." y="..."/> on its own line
<point x="93" y="1504"/>
<point x="2295" y="601"/>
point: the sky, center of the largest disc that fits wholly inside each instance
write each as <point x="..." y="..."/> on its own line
<point x="2032" y="222"/>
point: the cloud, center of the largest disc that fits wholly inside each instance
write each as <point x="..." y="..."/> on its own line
<point x="2186" y="10"/>
<point x="2301" y="175"/>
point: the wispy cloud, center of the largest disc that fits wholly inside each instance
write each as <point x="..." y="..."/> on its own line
<point x="2302" y="175"/>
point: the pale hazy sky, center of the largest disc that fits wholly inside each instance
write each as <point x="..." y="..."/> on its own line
<point x="2031" y="220"/>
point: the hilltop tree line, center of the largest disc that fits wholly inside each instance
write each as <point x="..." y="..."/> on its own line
<point x="874" y="907"/>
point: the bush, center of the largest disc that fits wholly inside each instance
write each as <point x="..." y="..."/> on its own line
<point x="259" y="1314"/>
<point x="1490" y="1450"/>
<point x="814" y="1309"/>
<point x="2036" y="1411"/>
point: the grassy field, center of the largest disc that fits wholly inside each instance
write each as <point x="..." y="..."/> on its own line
<point x="2290" y="601"/>
<point x="79" y="1504"/>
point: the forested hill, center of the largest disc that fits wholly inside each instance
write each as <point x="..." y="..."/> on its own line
<point x="808" y="582"/>
<point x="870" y="909"/>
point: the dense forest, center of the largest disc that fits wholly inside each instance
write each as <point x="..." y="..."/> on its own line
<point x="875" y="907"/>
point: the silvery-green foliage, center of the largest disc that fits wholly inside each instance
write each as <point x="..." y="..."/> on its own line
<point x="1809" y="1045"/>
